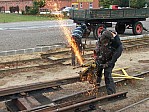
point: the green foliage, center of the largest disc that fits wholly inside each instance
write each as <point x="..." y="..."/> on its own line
<point x="116" y="2"/>
<point x="39" y="3"/>
<point x="105" y="3"/>
<point x="123" y="3"/>
<point x="137" y="3"/>
<point x="35" y="9"/>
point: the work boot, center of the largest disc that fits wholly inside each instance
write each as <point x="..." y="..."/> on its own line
<point x="111" y="91"/>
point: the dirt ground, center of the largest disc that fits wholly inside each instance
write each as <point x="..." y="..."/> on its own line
<point x="136" y="61"/>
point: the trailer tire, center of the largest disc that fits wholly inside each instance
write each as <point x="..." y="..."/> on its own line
<point x="97" y="30"/>
<point x="137" y="28"/>
<point x="120" y="28"/>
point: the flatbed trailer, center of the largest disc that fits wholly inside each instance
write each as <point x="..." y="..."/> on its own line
<point x="97" y="19"/>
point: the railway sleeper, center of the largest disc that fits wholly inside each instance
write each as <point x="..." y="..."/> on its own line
<point x="53" y="106"/>
<point x="27" y="103"/>
<point x="31" y="103"/>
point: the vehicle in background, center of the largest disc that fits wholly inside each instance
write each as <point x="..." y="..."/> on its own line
<point x="99" y="19"/>
<point x="113" y="7"/>
<point x="66" y="10"/>
<point x="44" y="11"/>
<point x="57" y="13"/>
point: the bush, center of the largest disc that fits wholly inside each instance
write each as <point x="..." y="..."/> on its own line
<point x="33" y="11"/>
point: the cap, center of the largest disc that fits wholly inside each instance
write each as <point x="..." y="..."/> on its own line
<point x="106" y="37"/>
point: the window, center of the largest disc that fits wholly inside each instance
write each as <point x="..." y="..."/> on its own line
<point x="90" y="5"/>
<point x="81" y="5"/>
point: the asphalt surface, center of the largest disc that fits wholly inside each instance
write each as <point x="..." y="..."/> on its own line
<point x="22" y="35"/>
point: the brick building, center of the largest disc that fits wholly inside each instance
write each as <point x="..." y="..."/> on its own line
<point x="78" y="4"/>
<point x="50" y="4"/>
<point x="9" y="3"/>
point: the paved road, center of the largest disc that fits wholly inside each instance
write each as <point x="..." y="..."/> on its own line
<point x="24" y="35"/>
<point x="31" y="34"/>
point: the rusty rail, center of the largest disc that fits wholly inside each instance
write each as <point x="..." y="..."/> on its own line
<point x="8" y="93"/>
<point x="132" y="105"/>
<point x="82" y="106"/>
<point x="68" y="101"/>
<point x="128" y="45"/>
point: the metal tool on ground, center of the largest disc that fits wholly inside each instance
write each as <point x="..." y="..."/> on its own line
<point x="89" y="73"/>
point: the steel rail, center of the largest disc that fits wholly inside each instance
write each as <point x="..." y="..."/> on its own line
<point x="17" y="68"/>
<point x="102" y="88"/>
<point x="82" y="105"/>
<point x="58" y="61"/>
<point x="20" y="61"/>
<point x="4" y="92"/>
<point x="83" y="93"/>
<point x="7" y="92"/>
<point x="134" y="104"/>
<point x="54" y="53"/>
<point x="127" y="46"/>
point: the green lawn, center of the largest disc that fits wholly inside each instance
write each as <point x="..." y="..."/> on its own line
<point x="6" y="18"/>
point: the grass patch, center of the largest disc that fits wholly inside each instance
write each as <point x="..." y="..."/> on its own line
<point x="6" y="18"/>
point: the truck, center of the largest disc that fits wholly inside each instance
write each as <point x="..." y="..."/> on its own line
<point x="97" y="19"/>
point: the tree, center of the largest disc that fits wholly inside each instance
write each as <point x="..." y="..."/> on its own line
<point x="36" y="5"/>
<point x="123" y="3"/>
<point x="137" y="3"/>
<point x="39" y="3"/>
<point x="105" y="3"/>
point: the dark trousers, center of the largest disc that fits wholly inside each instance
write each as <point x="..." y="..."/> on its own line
<point x="109" y="82"/>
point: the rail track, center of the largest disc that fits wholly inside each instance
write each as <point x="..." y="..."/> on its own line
<point x="61" y="57"/>
<point x="17" y="96"/>
<point x="133" y="106"/>
<point x="31" y="98"/>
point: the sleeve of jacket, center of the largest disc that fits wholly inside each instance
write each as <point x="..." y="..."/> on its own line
<point x="97" y="49"/>
<point x="116" y="55"/>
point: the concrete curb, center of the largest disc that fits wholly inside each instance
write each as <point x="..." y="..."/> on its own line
<point x="30" y="50"/>
<point x="46" y="48"/>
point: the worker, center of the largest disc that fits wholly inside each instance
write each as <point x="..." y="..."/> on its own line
<point x="77" y="36"/>
<point x="108" y="50"/>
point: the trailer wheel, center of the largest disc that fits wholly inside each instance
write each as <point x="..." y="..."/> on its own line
<point x="120" y="28"/>
<point x="97" y="30"/>
<point x="137" y="28"/>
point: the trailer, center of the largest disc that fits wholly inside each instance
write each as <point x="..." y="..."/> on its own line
<point x="97" y="19"/>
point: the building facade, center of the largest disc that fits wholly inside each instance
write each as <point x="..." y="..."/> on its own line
<point x="6" y="4"/>
<point x="77" y="4"/>
<point x="50" y="4"/>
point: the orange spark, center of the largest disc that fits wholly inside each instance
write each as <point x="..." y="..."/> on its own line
<point x="67" y="33"/>
<point x="71" y="41"/>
